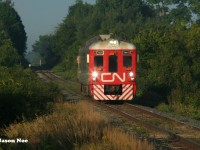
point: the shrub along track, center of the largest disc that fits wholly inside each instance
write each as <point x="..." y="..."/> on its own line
<point x="177" y="134"/>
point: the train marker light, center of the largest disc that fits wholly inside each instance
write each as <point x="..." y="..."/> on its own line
<point x="99" y="52"/>
<point x="126" y="52"/>
<point x="132" y="79"/>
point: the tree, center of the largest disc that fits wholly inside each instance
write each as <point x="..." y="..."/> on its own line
<point x="8" y="54"/>
<point x="45" y="47"/>
<point x="195" y="7"/>
<point x="12" y="25"/>
<point x="181" y="13"/>
<point x="161" y="6"/>
<point x="172" y="10"/>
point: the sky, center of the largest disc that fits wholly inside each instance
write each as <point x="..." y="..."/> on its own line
<point x="41" y="17"/>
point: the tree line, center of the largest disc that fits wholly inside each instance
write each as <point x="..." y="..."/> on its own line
<point x="22" y="94"/>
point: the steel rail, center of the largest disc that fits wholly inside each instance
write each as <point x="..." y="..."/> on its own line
<point x="189" y="144"/>
<point x="160" y="116"/>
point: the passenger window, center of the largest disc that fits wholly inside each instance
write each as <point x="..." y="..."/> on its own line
<point x="127" y="61"/>
<point x="98" y="61"/>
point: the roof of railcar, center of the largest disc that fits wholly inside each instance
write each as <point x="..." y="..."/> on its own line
<point x="111" y="44"/>
<point x="108" y="42"/>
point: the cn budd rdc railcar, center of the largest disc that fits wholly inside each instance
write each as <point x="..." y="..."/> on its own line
<point x="107" y="68"/>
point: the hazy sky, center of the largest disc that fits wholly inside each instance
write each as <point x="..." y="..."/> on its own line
<point x="41" y="17"/>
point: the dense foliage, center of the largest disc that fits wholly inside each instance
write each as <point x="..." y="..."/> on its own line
<point x="12" y="25"/>
<point x="8" y="54"/>
<point x="12" y="37"/>
<point x="22" y="94"/>
<point x="165" y="33"/>
<point x="169" y="63"/>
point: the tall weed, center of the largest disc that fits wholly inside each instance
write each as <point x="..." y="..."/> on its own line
<point x="73" y="126"/>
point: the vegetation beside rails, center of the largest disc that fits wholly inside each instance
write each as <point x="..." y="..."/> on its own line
<point x="67" y="74"/>
<point x="180" y="109"/>
<point x="72" y="126"/>
<point x="154" y="100"/>
<point x="24" y="95"/>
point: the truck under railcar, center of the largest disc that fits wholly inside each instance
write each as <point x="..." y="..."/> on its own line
<point x="107" y="68"/>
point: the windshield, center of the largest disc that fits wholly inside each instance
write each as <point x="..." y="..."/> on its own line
<point x="98" y="61"/>
<point x="113" y="65"/>
<point x="127" y="61"/>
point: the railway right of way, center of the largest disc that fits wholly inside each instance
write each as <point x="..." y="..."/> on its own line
<point x="187" y="139"/>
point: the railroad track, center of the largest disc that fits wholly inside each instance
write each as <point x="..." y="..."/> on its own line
<point x="179" y="135"/>
<point x="174" y="137"/>
<point x="68" y="91"/>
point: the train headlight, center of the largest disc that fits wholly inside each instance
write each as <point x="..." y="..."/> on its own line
<point x="94" y="76"/>
<point x="131" y="74"/>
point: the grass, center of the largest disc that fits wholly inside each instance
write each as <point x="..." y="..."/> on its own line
<point x="72" y="126"/>
<point x="181" y="109"/>
<point x="70" y="74"/>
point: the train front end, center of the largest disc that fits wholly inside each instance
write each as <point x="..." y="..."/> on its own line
<point x="112" y="70"/>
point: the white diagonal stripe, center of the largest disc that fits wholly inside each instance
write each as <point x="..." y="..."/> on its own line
<point x="98" y="96"/>
<point x="125" y="91"/>
<point x="100" y="92"/>
<point x="129" y="93"/>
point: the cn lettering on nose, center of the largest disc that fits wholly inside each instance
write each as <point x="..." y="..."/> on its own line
<point x="113" y="77"/>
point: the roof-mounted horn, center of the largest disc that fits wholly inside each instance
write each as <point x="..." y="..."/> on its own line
<point x="105" y="37"/>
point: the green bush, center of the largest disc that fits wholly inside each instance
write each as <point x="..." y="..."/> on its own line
<point x="164" y="107"/>
<point x="22" y="94"/>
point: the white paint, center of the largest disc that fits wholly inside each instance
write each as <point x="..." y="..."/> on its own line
<point x="88" y="58"/>
<point x="114" y="76"/>
<point x="127" y="93"/>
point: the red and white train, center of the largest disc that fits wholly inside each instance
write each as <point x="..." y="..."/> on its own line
<point x="107" y="68"/>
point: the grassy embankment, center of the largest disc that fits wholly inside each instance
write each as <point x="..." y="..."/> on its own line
<point x="72" y="126"/>
<point x="151" y="99"/>
<point x="180" y="109"/>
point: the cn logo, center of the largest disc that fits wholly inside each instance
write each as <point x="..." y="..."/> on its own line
<point x="113" y="77"/>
